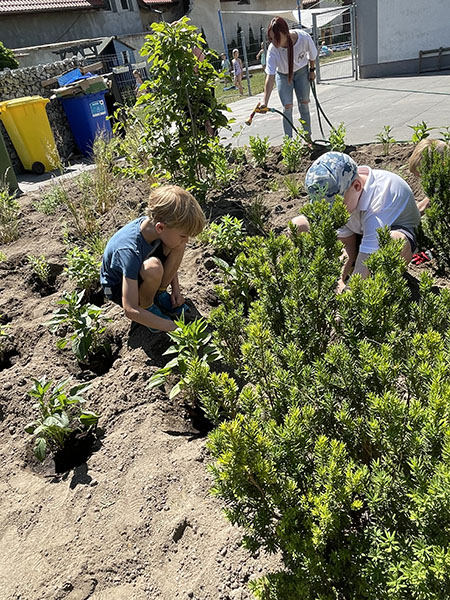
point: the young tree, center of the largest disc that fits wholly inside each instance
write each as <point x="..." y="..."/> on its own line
<point x="180" y="111"/>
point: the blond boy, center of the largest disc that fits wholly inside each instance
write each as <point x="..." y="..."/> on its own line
<point x="416" y="158"/>
<point x="142" y="258"/>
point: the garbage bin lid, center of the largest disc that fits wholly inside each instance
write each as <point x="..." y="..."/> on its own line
<point x="21" y="101"/>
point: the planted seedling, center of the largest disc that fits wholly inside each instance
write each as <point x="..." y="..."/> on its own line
<point x="84" y="323"/>
<point x="337" y="138"/>
<point x="60" y="414"/>
<point x="40" y="267"/>
<point x="51" y="199"/>
<point x="259" y="148"/>
<point x="192" y="342"/>
<point x="227" y="236"/>
<point x="292" y="151"/>
<point x="9" y="213"/>
<point x="420" y="132"/>
<point x="385" y="138"/>
<point x="293" y="187"/>
<point x="82" y="268"/>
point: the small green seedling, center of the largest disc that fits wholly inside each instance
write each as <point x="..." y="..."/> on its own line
<point x="9" y="213"/>
<point x="192" y="342"/>
<point x="385" y="138"/>
<point x="292" y="151"/>
<point x="51" y="199"/>
<point x="293" y="187"/>
<point x="227" y="236"/>
<point x="85" y="325"/>
<point x="4" y="334"/>
<point x="259" y="148"/>
<point x="420" y="132"/>
<point x="337" y="138"/>
<point x="60" y="414"/>
<point x="41" y="268"/>
<point x="83" y="268"/>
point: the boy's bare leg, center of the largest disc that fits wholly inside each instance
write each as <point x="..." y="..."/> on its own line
<point x="152" y="273"/>
<point x="171" y="264"/>
<point x="406" y="252"/>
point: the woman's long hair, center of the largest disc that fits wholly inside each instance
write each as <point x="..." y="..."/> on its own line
<point x="277" y="26"/>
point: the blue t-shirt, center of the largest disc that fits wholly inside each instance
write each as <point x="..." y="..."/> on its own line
<point x="125" y="253"/>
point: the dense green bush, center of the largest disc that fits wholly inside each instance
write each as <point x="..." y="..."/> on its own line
<point x="333" y="439"/>
<point x="7" y="58"/>
<point x="435" y="170"/>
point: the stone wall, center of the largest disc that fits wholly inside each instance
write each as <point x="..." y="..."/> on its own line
<point x="27" y="81"/>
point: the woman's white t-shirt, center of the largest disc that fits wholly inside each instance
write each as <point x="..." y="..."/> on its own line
<point x="304" y="51"/>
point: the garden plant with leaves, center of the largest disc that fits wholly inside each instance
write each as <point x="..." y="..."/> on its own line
<point x="84" y="324"/>
<point x="179" y="110"/>
<point x="193" y="349"/>
<point x="333" y="446"/>
<point x="61" y="413"/>
<point x="259" y="148"/>
<point x="83" y="268"/>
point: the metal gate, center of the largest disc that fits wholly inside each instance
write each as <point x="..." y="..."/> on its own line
<point x="336" y="40"/>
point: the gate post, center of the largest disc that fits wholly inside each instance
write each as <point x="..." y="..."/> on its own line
<point x="244" y="50"/>
<point x="315" y="37"/>
<point x="354" y="44"/>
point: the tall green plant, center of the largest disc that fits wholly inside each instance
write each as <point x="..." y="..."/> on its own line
<point x="180" y="111"/>
<point x="7" y="58"/>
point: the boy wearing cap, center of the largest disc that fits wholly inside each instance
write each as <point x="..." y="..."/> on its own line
<point x="374" y="198"/>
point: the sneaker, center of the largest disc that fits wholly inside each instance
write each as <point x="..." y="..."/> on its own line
<point x="163" y="301"/>
<point x="156" y="311"/>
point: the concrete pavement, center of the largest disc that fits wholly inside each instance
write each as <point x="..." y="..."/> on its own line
<point x="364" y="106"/>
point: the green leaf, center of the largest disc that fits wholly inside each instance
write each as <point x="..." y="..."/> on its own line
<point x="40" y="448"/>
<point x="175" y="391"/>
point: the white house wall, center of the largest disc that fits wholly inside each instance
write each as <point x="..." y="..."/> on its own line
<point x="407" y="26"/>
<point x="391" y="33"/>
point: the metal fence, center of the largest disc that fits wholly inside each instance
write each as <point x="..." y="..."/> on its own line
<point x="121" y="69"/>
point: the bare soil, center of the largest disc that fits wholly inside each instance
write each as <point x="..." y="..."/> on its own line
<point x="129" y="516"/>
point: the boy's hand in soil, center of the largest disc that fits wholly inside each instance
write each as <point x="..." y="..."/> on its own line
<point x="177" y="298"/>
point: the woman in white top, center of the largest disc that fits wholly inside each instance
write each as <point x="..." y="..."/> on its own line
<point x="291" y="59"/>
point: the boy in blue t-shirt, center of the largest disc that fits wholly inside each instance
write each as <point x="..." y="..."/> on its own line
<point x="142" y="258"/>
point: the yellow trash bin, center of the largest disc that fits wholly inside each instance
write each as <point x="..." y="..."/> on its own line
<point x="26" y="121"/>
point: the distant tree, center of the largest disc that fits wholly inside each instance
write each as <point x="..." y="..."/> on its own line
<point x="7" y="58"/>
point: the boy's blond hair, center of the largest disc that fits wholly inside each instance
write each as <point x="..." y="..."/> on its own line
<point x="175" y="207"/>
<point x="424" y="145"/>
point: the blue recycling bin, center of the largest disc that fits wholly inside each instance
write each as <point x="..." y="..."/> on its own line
<point x="87" y="115"/>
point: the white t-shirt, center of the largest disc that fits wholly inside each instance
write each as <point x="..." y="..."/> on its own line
<point x="386" y="200"/>
<point x="304" y="51"/>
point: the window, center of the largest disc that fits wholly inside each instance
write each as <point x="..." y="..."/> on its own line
<point x="125" y="4"/>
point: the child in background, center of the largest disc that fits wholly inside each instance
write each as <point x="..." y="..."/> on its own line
<point x="374" y="198"/>
<point x="416" y="158"/>
<point x="238" y="71"/>
<point x="225" y="65"/>
<point x="142" y="259"/>
<point x="261" y="56"/>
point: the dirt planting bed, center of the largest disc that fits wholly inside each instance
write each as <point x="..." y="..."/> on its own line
<point x="127" y="513"/>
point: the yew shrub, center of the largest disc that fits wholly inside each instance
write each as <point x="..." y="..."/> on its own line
<point x="332" y="445"/>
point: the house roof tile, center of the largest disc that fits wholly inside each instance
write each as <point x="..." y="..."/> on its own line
<point x="32" y="6"/>
<point x="151" y="2"/>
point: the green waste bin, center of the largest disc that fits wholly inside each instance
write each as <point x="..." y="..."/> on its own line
<point x="6" y="171"/>
<point x="26" y="121"/>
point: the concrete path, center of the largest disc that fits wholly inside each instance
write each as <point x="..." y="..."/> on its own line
<point x="364" y="107"/>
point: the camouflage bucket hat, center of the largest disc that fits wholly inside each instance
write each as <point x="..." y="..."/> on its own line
<point x="331" y="174"/>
